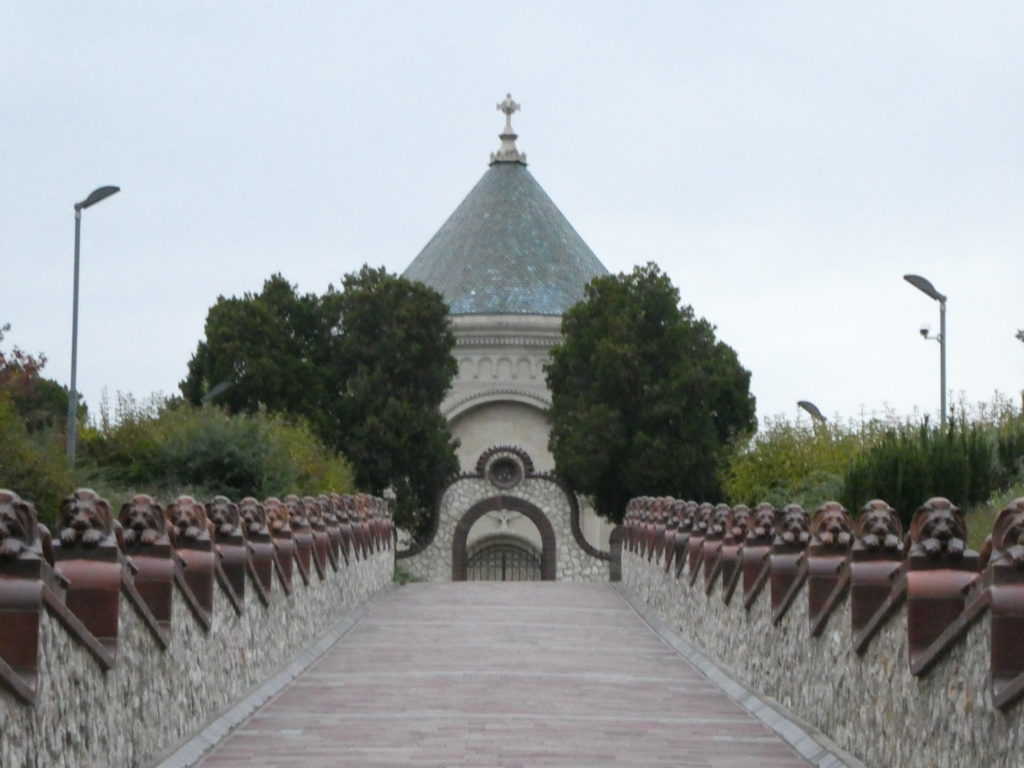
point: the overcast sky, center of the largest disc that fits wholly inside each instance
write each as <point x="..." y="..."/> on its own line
<point x="786" y="163"/>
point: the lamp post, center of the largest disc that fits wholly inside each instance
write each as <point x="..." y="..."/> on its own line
<point x="97" y="194"/>
<point x="813" y="410"/>
<point x="927" y="288"/>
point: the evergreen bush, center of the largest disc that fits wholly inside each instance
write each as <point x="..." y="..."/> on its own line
<point x="978" y="455"/>
<point x="965" y="462"/>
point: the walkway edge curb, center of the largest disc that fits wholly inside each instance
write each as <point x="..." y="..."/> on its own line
<point x="809" y="742"/>
<point x="193" y="748"/>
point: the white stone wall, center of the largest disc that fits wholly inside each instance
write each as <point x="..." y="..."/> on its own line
<point x="871" y="705"/>
<point x="153" y="697"/>
<point x="500" y="395"/>
<point x="502" y="423"/>
<point x="501" y="359"/>
<point x="571" y="563"/>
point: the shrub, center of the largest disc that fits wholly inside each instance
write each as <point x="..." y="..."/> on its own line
<point x="164" y="446"/>
<point x="982" y="517"/>
<point x="965" y="462"/>
<point x="980" y="453"/>
<point x="33" y="465"/>
<point x="795" y="463"/>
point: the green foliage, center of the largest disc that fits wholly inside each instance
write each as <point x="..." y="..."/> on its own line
<point x="982" y="517"/>
<point x="33" y="465"/>
<point x="42" y="403"/>
<point x="645" y="400"/>
<point x="789" y="463"/>
<point x="403" y="577"/>
<point x="906" y="462"/>
<point x="267" y="350"/>
<point x="912" y="463"/>
<point x="165" y="448"/>
<point x="366" y="366"/>
<point x="395" y="359"/>
<point x="33" y="411"/>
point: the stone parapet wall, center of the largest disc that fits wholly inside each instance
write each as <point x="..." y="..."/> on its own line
<point x="153" y="697"/>
<point x="70" y="697"/>
<point x="870" y="703"/>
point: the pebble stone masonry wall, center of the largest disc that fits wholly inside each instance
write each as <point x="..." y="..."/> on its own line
<point x="572" y="562"/>
<point x="153" y="697"/>
<point x="870" y="703"/>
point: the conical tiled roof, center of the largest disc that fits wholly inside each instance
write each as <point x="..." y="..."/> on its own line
<point x="507" y="249"/>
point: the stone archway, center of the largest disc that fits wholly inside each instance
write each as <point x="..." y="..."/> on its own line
<point x="460" y="559"/>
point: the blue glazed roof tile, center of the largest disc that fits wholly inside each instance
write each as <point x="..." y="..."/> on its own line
<point x="507" y="249"/>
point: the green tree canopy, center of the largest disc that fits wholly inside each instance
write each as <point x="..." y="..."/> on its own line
<point x="394" y="356"/>
<point x="270" y="349"/>
<point x="367" y="366"/>
<point x="645" y="400"/>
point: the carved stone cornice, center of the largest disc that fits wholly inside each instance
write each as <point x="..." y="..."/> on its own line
<point x="508" y="341"/>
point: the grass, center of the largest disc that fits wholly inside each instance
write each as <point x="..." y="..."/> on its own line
<point x="982" y="517"/>
<point x="404" y="577"/>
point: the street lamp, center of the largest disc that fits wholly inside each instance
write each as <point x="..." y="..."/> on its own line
<point x="927" y="288"/>
<point x="97" y="194"/>
<point x="812" y="409"/>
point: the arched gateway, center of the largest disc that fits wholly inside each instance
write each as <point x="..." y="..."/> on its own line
<point x="503" y="502"/>
<point x="509" y="265"/>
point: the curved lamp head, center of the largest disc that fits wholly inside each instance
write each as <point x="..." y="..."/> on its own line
<point x="925" y="287"/>
<point x="217" y="389"/>
<point x="812" y="409"/>
<point x="97" y="194"/>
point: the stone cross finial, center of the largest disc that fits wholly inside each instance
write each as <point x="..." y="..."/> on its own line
<point x="508" y="153"/>
<point x="508" y="107"/>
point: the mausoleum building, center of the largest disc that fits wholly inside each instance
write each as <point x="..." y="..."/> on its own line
<point x="509" y="264"/>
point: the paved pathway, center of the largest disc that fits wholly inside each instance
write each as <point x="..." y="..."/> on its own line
<point x="489" y="674"/>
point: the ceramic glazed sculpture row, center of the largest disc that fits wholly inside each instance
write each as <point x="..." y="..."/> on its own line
<point x="148" y="551"/>
<point x="946" y="586"/>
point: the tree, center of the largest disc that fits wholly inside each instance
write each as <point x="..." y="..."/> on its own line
<point x="40" y="402"/>
<point x="395" y="358"/>
<point x="644" y="399"/>
<point x="366" y="365"/>
<point x="32" y="415"/>
<point x="271" y="350"/>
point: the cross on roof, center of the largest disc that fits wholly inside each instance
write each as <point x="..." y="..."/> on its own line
<point x="508" y="153"/>
<point x="508" y="107"/>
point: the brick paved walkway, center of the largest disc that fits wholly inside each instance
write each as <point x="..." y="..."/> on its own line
<point x="489" y="674"/>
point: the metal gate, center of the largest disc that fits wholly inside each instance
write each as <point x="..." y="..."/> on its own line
<point x="503" y="562"/>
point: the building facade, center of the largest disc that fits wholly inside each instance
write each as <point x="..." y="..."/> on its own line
<point x="509" y="265"/>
